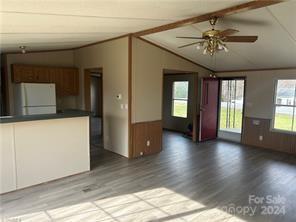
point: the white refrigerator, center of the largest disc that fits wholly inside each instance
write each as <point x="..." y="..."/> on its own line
<point x="34" y="98"/>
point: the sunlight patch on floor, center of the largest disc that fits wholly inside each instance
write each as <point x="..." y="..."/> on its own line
<point x="160" y="204"/>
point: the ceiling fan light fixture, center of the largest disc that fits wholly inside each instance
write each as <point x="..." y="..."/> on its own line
<point x="205" y="51"/>
<point x="220" y="46"/>
<point x="214" y="39"/>
<point x="23" y="49"/>
<point x="199" y="45"/>
<point x="225" y="48"/>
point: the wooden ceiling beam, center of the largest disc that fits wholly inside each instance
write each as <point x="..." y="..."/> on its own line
<point x="202" y="18"/>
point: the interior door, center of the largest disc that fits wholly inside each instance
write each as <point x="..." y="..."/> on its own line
<point x="209" y="109"/>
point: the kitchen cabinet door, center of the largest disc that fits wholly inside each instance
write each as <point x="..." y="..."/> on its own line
<point x="70" y="81"/>
<point x="41" y="74"/>
<point x="65" y="79"/>
<point x="55" y="76"/>
<point x="23" y="73"/>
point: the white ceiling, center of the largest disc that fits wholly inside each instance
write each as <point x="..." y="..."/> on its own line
<point x="59" y="24"/>
<point x="275" y="47"/>
<point x="55" y="24"/>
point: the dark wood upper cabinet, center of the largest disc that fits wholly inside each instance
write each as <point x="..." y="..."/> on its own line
<point x="66" y="79"/>
<point x="70" y="81"/>
<point x="55" y="76"/>
<point x="41" y="74"/>
<point x="21" y="73"/>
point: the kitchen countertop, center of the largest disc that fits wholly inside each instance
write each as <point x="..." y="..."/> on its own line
<point x="58" y="115"/>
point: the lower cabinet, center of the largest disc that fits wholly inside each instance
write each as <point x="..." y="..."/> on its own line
<point x="35" y="152"/>
<point x="146" y="138"/>
<point x="46" y="150"/>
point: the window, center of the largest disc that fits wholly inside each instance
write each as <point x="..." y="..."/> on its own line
<point x="285" y="105"/>
<point x="180" y="99"/>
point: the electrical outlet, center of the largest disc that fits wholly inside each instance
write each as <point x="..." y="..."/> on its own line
<point x="256" y="122"/>
<point x="260" y="138"/>
<point x="148" y="143"/>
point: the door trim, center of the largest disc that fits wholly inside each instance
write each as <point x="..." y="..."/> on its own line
<point x="195" y="109"/>
<point x="87" y="99"/>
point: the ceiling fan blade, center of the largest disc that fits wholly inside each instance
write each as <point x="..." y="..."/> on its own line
<point x="228" y="32"/>
<point x="240" y="39"/>
<point x="185" y="37"/>
<point x="194" y="43"/>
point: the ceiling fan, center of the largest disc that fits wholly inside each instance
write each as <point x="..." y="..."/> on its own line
<point x="213" y="39"/>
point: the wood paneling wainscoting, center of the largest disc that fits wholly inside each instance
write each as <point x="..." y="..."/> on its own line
<point x="146" y="138"/>
<point x="283" y="142"/>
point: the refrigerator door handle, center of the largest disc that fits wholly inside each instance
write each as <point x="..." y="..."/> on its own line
<point x="26" y="96"/>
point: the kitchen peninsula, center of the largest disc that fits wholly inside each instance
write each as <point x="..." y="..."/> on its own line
<point x="39" y="148"/>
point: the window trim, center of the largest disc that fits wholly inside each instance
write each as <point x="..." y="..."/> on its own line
<point x="173" y="99"/>
<point x="272" y="129"/>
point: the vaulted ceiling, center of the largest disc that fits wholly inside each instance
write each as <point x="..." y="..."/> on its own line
<point x="53" y="24"/>
<point x="60" y="24"/>
<point x="275" y="47"/>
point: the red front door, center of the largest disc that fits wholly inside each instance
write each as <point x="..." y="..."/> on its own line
<point x="209" y="109"/>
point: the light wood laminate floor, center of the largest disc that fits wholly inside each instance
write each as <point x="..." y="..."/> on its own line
<point x="185" y="182"/>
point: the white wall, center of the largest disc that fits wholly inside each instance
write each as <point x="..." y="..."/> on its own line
<point x="148" y="64"/>
<point x="34" y="152"/>
<point x="112" y="57"/>
<point x="260" y="87"/>
<point x="7" y="159"/>
<point x="58" y="58"/>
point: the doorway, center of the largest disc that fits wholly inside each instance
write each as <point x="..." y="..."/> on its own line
<point x="231" y="108"/>
<point x="93" y="94"/>
<point x="179" y="105"/>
